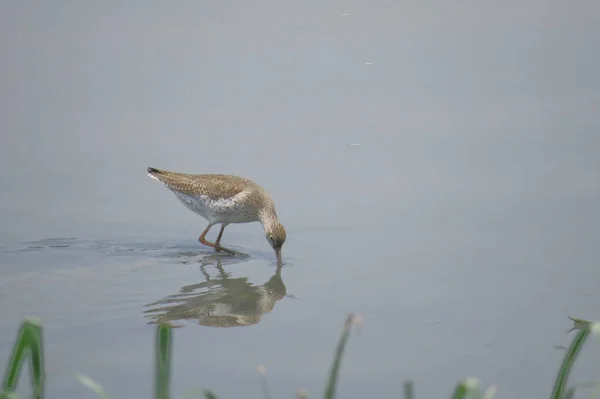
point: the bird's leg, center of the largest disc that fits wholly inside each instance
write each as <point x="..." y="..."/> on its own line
<point x="218" y="242"/>
<point x="203" y="240"/>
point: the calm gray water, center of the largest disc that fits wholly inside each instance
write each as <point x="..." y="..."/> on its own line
<point x="436" y="166"/>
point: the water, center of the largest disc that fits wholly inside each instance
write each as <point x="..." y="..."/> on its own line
<point x="448" y="192"/>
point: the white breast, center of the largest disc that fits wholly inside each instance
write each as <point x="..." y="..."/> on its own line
<point x="224" y="210"/>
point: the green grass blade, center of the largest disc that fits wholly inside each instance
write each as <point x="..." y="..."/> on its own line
<point x="9" y="395"/>
<point x="162" y="364"/>
<point x="193" y="393"/>
<point x="578" y="323"/>
<point x="210" y="395"/>
<point x="29" y="342"/>
<point x="409" y="390"/>
<point x="460" y="392"/>
<point x="93" y="385"/>
<point x="560" y="384"/>
<point x="335" y="367"/>
<point x="467" y="389"/>
<point x="199" y="392"/>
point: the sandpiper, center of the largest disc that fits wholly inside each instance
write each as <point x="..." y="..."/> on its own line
<point x="225" y="199"/>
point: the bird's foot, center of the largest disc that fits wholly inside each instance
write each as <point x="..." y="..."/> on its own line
<point x="229" y="251"/>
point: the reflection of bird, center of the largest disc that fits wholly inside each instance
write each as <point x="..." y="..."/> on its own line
<point x="224" y="302"/>
<point x="225" y="199"/>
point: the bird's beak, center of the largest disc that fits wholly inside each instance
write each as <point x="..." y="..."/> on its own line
<point x="278" y="253"/>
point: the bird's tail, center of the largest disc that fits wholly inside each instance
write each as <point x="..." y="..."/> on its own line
<point x="174" y="181"/>
<point x="157" y="174"/>
<point x="154" y="171"/>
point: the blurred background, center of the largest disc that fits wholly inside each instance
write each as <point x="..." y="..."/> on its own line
<point x="435" y="164"/>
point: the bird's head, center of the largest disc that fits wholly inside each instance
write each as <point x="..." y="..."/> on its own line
<point x="275" y="233"/>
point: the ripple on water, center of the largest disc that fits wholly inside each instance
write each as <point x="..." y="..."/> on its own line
<point x="87" y="282"/>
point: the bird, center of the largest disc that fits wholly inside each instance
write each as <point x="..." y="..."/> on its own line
<point x="225" y="199"/>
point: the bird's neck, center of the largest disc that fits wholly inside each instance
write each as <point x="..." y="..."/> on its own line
<point x="268" y="217"/>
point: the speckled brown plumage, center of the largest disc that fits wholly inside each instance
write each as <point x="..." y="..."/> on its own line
<point x="224" y="199"/>
<point x="212" y="185"/>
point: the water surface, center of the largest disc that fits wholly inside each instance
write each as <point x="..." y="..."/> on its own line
<point x="436" y="168"/>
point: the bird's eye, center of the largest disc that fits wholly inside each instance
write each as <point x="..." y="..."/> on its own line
<point x="271" y="237"/>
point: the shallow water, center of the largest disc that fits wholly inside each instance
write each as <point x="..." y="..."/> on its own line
<point x="430" y="315"/>
<point x="436" y="171"/>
